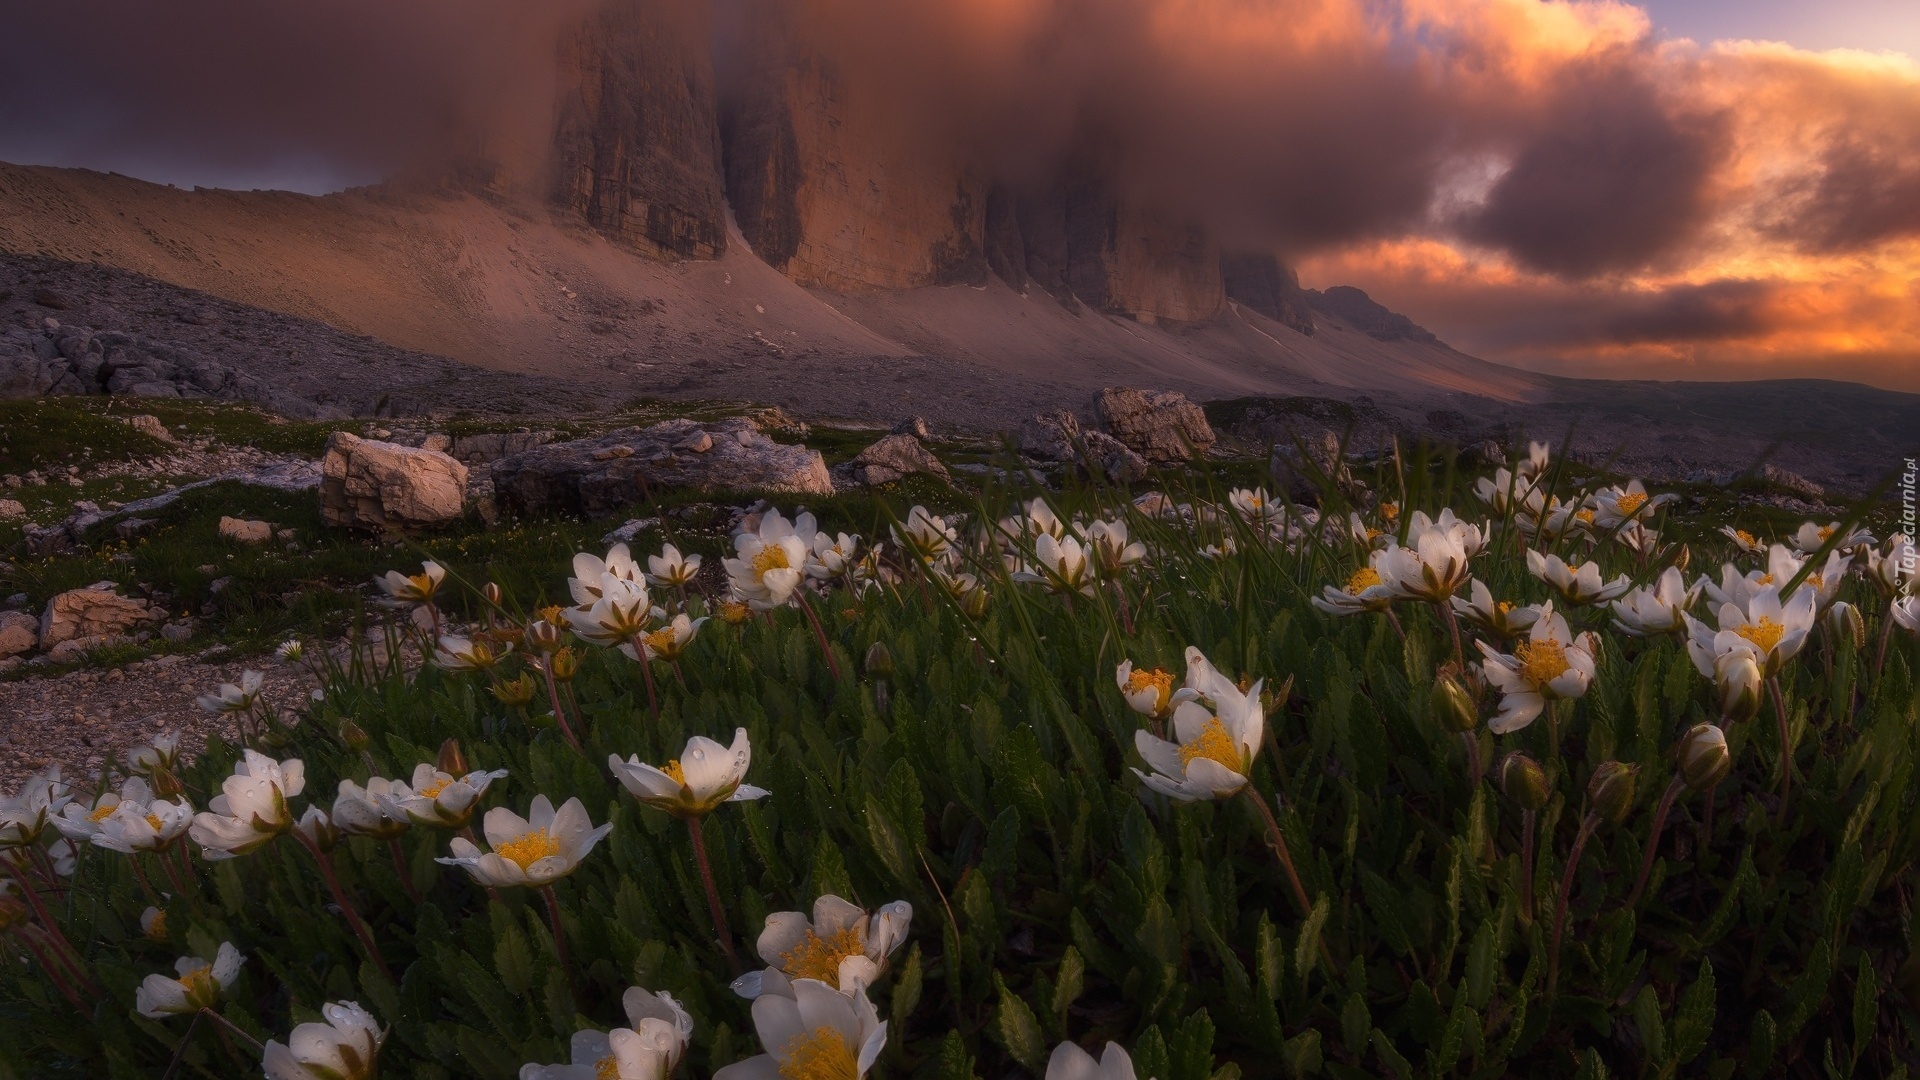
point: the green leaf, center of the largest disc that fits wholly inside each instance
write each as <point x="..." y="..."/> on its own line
<point x="1356" y="1024"/>
<point x="1069" y="983"/>
<point x="1693" y="1019"/>
<point x="1761" y="1045"/>
<point x="512" y="957"/>
<point x="1480" y="965"/>
<point x="906" y="993"/>
<point x="1390" y="1057"/>
<point x="955" y="1063"/>
<point x="1646" y="1017"/>
<point x="1269" y="955"/>
<point x="1306" y="948"/>
<point x="1018" y="1030"/>
<point x="1301" y="1055"/>
<point x="1866" y="1005"/>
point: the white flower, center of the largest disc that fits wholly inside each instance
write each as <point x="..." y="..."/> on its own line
<point x="1906" y="613"/>
<point x="346" y="1047"/>
<point x="289" y="650"/>
<point x="1226" y="548"/>
<point x="1744" y="540"/>
<point x="1614" y="507"/>
<point x="153" y="925"/>
<point x="1255" y="507"/>
<point x="235" y="699"/>
<point x="842" y="946"/>
<point x="670" y="569"/>
<point x="965" y="589"/>
<point x="666" y="643"/>
<point x="772" y="561"/>
<point x="1503" y="490"/>
<point x="1069" y="1062"/>
<point x="436" y="798"/>
<point x="1035" y="520"/>
<point x="1893" y="572"/>
<point x="538" y="849"/>
<point x="403" y="591"/>
<point x="76" y="822"/>
<point x="317" y="829"/>
<point x="1148" y="692"/>
<point x="925" y="536"/>
<point x="589" y="570"/>
<point x="1810" y="538"/>
<point x="1217" y="733"/>
<point x="620" y="611"/>
<point x="1576" y="585"/>
<point x="1771" y="630"/>
<point x="705" y="775"/>
<point x="1497" y="617"/>
<point x="1430" y="568"/>
<point x="197" y="986"/>
<point x="663" y="1026"/>
<point x="648" y="1050"/>
<point x="1472" y="538"/>
<point x="251" y="808"/>
<point x="153" y="826"/>
<point x="832" y="556"/>
<point x="1736" y="675"/>
<point x="1637" y="538"/>
<point x="162" y="754"/>
<point x="1538" y="458"/>
<point x="1551" y="663"/>
<point x="26" y="815"/>
<point x="1059" y="565"/>
<point x="1646" y="612"/>
<point x="457" y="653"/>
<point x="817" y="1034"/>
<point x="362" y="811"/>
<point x="1364" y="591"/>
<point x="1108" y="545"/>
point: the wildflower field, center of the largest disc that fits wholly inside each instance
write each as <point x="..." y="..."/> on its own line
<point x="1523" y="774"/>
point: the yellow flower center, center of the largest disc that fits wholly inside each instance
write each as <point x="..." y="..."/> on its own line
<point x="661" y="641"/>
<point x="1363" y="579"/>
<point x="1541" y="661"/>
<point x="199" y="982"/>
<point x="1745" y="537"/>
<point x="607" y="1068"/>
<point x="1764" y="579"/>
<point x="526" y="850"/>
<point x="1501" y="607"/>
<point x="1815" y="580"/>
<point x="819" y="957"/>
<point x="734" y="612"/>
<point x="1766" y="633"/>
<point x="101" y="812"/>
<point x="1214" y="743"/>
<point x="1389" y="510"/>
<point x="156" y="929"/>
<point x="674" y="772"/>
<point x="1826" y="533"/>
<point x="820" y="1054"/>
<point x="1584" y="515"/>
<point x="433" y="790"/>
<point x="422" y="584"/>
<point x="771" y="557"/>
<point x="1631" y="501"/>
<point x="154" y="822"/>
<point x="1160" y="682"/>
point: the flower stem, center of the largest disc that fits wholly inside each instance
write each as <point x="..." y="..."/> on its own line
<point x="347" y="912"/>
<point x="400" y="868"/>
<point x="180" y="1051"/>
<point x="235" y="1028"/>
<point x="63" y="949"/>
<point x="1786" y="751"/>
<point x="819" y="632"/>
<point x="713" y="895"/>
<point x="140" y="876"/>
<point x="1526" y="866"/>
<point x="1279" y="842"/>
<point x="559" y="937"/>
<point x="646" y="675"/>
<point x="1653" y="838"/>
<point x="1472" y="739"/>
<point x="1453" y="624"/>
<point x="56" y="972"/>
<point x="559" y="714"/>
<point x="1587" y="826"/>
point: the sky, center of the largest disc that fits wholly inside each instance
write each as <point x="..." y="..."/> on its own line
<point x="1667" y="189"/>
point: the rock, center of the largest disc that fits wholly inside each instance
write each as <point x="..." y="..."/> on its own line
<point x="246" y="532"/>
<point x="46" y="540"/>
<point x="150" y="425"/>
<point x="698" y="443"/>
<point x="132" y="527"/>
<point x="285" y="536"/>
<point x="893" y="458"/>
<point x="573" y="477"/>
<point x="437" y="442"/>
<point x="491" y="447"/>
<point x="1302" y="476"/>
<point x="1794" y="482"/>
<point x="1160" y="425"/>
<point x="1116" y="459"/>
<point x="915" y="426"/>
<point x="382" y="487"/>
<point x="775" y="422"/>
<point x="47" y="298"/>
<point x="75" y="649"/>
<point x="1050" y="436"/>
<point x="12" y="510"/>
<point x="19" y="633"/>
<point x="626" y="533"/>
<point x="178" y="630"/>
<point x="94" y="611"/>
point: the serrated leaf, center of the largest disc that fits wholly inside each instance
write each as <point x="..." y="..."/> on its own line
<point x="1761" y="1045"/>
<point x="1307" y="947"/>
<point x="1866" y="1005"/>
<point x="512" y="958"/>
<point x="1301" y="1055"/>
<point x="1068" y="984"/>
<point x="906" y="993"/>
<point x="1019" y="1030"/>
<point x="1356" y="1024"/>
<point x="1653" y="1030"/>
<point x="1693" y="1018"/>
<point x="1480" y="965"/>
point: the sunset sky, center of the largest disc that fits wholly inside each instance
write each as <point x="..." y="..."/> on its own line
<point x="1672" y="189"/>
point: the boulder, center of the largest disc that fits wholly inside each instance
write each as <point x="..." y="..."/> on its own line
<point x="1302" y="470"/>
<point x="915" y="426"/>
<point x="490" y="447"/>
<point x="773" y="421"/>
<point x="894" y="458"/>
<point x="19" y="633"/>
<point x="382" y="487"/>
<point x="246" y="532"/>
<point x="12" y="510"/>
<point x="1050" y="436"/>
<point x="95" y="611"/>
<point x="1118" y="461"/>
<point x="1160" y="425"/>
<point x="150" y="425"/>
<point x="599" y="476"/>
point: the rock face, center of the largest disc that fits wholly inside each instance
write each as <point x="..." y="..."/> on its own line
<point x="1258" y="281"/>
<point x="1159" y="425"/>
<point x="19" y="633"/>
<point x="387" y="488"/>
<point x="1057" y="436"/>
<point x="1367" y="315"/>
<point x="1304" y="469"/>
<point x="596" y="477"/>
<point x="63" y="360"/>
<point x="487" y="448"/>
<point x="894" y="458"/>
<point x="637" y="138"/>
<point x="96" y="611"/>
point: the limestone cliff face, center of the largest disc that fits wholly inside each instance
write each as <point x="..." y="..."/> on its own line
<point x="1078" y="242"/>
<point x="1258" y="281"/>
<point x="636" y="140"/>
<point x="831" y="188"/>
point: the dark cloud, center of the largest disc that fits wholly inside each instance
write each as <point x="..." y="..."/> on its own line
<point x="1615" y="178"/>
<point x="1862" y="193"/>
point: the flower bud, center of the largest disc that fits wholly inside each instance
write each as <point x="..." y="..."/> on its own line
<point x="1610" y="791"/>
<point x="1524" y="781"/>
<point x="516" y="692"/>
<point x="1452" y="705"/>
<point x="543" y="637"/>
<point x="1737" y="675"/>
<point x="879" y="661"/>
<point x="317" y="829"/>
<point x="165" y="784"/>
<point x="491" y="591"/>
<point x="975" y="604"/>
<point x="452" y="760"/>
<point x="1682" y="557"/>
<point x="565" y="664"/>
<point x="1844" y="621"/>
<point x="1704" y="758"/>
<point x="352" y="734"/>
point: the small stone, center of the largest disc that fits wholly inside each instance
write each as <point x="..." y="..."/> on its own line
<point x="437" y="442"/>
<point x="915" y="426"/>
<point x="285" y="536"/>
<point x="177" y="632"/>
<point x="219" y="585"/>
<point x="245" y="532"/>
<point x="150" y="426"/>
<point x="12" y="510"/>
<point x="698" y="443"/>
